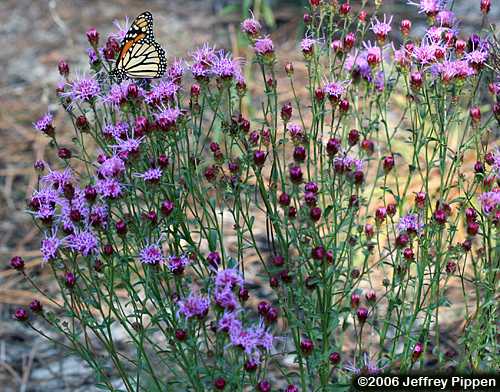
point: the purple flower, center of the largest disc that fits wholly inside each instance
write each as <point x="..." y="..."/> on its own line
<point x="429" y="7"/>
<point x="84" y="242"/>
<point x="490" y="201"/>
<point x="176" y="264"/>
<point x="347" y="163"/>
<point x="446" y="18"/>
<point x="229" y="322"/>
<point x="150" y="175"/>
<point x="204" y="55"/>
<point x="112" y="167"/>
<point x="167" y="118"/>
<point x="381" y="29"/>
<point x="83" y="89"/>
<point x="477" y="57"/>
<point x="93" y="56"/>
<point x="200" y="71"/>
<point x="176" y="70"/>
<point x="98" y="215"/>
<point x="264" y="46"/>
<point x="128" y="146"/>
<point x="162" y="92"/>
<point x="119" y="35"/>
<point x="369" y="367"/>
<point x="224" y="66"/>
<point x="425" y="52"/>
<point x="229" y="277"/>
<point x="58" y="179"/>
<point x="496" y="163"/>
<point x="193" y="306"/>
<point x="118" y="93"/>
<point x="225" y="298"/>
<point x="109" y="188"/>
<point x="379" y="81"/>
<point x="251" y="340"/>
<point x="307" y="45"/>
<point x="411" y="223"/>
<point x="357" y="63"/>
<point x="44" y="124"/>
<point x="335" y="90"/>
<point x="49" y="248"/>
<point x="151" y="254"/>
<point x="251" y="26"/>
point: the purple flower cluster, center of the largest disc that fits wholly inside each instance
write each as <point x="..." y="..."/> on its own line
<point x="490" y="201"/>
<point x="193" y="306"/>
<point x="411" y="224"/>
<point x="208" y="62"/>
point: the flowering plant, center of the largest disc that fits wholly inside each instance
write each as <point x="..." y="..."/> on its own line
<point x="363" y="182"/>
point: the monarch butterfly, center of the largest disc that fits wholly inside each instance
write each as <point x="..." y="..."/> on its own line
<point x="141" y="57"/>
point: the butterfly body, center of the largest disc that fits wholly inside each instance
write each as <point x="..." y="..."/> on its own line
<point x="140" y="57"/>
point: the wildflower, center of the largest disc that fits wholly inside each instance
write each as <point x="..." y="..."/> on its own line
<point x="445" y="18"/>
<point x="21" y="314"/>
<point x="307" y="46"/>
<point x="162" y="92"/>
<point x="429" y="7"/>
<point x="264" y="386"/>
<point x="425" y="53"/>
<point x="229" y="277"/>
<point x="109" y="188"/>
<point x="17" y="263"/>
<point x="112" y="167"/>
<point x="405" y="27"/>
<point x="176" y="264"/>
<point x="264" y="47"/>
<point x="251" y="27"/>
<point x="167" y="207"/>
<point x="306" y="346"/>
<point x="63" y="68"/>
<point x="181" y="335"/>
<point x="477" y="57"/>
<point x="334" y="90"/>
<point x="204" y="55"/>
<point x="224" y="66"/>
<point x="129" y="146"/>
<point x="225" y="298"/>
<point x="118" y="93"/>
<point x="93" y="56"/>
<point x="334" y="358"/>
<point x="295" y="132"/>
<point x="229" y="322"/>
<point x="36" y="306"/>
<point x="373" y="54"/>
<point x="296" y="174"/>
<point x="193" y="306"/>
<point x="485" y="6"/>
<point x="45" y="124"/>
<point x="83" y="89"/>
<point x="219" y="383"/>
<point x="50" y="247"/>
<point x="411" y="223"/>
<point x="167" y="118"/>
<point x="175" y="71"/>
<point x="490" y="201"/>
<point x="152" y="175"/>
<point x="69" y="279"/>
<point x="418" y="349"/>
<point x="381" y="29"/>
<point x="119" y="35"/>
<point x="58" y="179"/>
<point x="84" y="242"/>
<point x="151" y="254"/>
<point x="369" y="367"/>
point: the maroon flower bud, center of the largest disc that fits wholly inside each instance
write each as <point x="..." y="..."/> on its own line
<point x="264" y="386"/>
<point x="371" y="296"/>
<point x="311" y="283"/>
<point x="333" y="146"/>
<point x="21" y="314"/>
<point x="362" y="16"/>
<point x="311" y="199"/>
<point x="151" y="216"/>
<point x="353" y="201"/>
<point x="467" y="245"/>
<point x="299" y="154"/>
<point x="485" y="6"/>
<point x="349" y="40"/>
<point x="353" y="137"/>
<point x="243" y="294"/>
<point x="460" y="46"/>
<point x="372" y="59"/>
<point x="278" y="260"/>
<point x="181" y="335"/>
<point x="334" y="358"/>
<point x="132" y="91"/>
<point x="420" y="199"/>
<point x="93" y="36"/>
<point x="213" y="258"/>
<point x="254" y="138"/>
<point x="286" y="112"/>
<point x="296" y="174"/>
<point x="63" y="68"/>
<point x="69" y="279"/>
<point x="416" y="80"/>
<point x="369" y="232"/>
<point x="121" y="227"/>
<point x="167" y="207"/>
<point x="259" y="157"/>
<point x="285" y="276"/>
<point x="391" y="209"/>
<point x="475" y="114"/>
<point x="315" y="214"/>
<point x="355" y="298"/>
<point x="17" y="263"/>
<point x="318" y="253"/>
<point x="451" y="267"/>
<point x="90" y="193"/>
<point x="344" y="105"/>
<point x="408" y="254"/>
<point x="214" y="147"/>
<point x="355" y="273"/>
<point x="107" y="250"/>
<point x="368" y="146"/>
<point x="219" y="383"/>
<point x="64" y="153"/>
<point x="292" y="212"/>
<point x="345" y="8"/>
<point x="362" y="314"/>
<point x="402" y="240"/>
<point x="306" y="346"/>
<point x="470" y="214"/>
<point x="496" y="110"/>
<point x="440" y="216"/>
<point x="75" y="215"/>
<point x="98" y="265"/>
<point x="163" y="161"/>
<point x="388" y="163"/>
<point x="319" y="94"/>
<point x="489" y="158"/>
<point x="274" y="282"/>
<point x="82" y="123"/>
<point x="472" y="228"/>
<point x="39" y="165"/>
<point x="405" y="27"/>
<point x="263" y="307"/>
<point x="478" y="167"/>
<point x="311" y="187"/>
<point x="380" y="214"/>
<point x="272" y="315"/>
<point x="289" y="69"/>
<point x="250" y="365"/>
<point x="284" y="199"/>
<point x="195" y="90"/>
<point x="417" y="351"/>
<point x="359" y="177"/>
<point x="314" y="3"/>
<point x="291" y="388"/>
<point x="210" y="173"/>
<point x="36" y="306"/>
